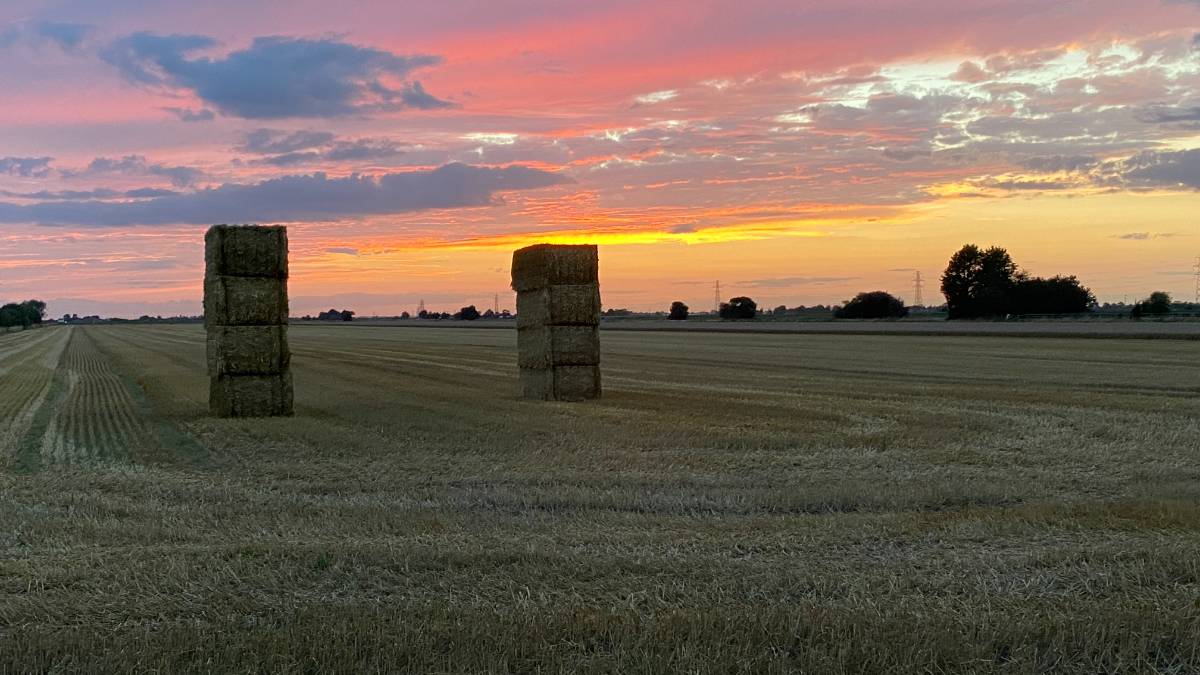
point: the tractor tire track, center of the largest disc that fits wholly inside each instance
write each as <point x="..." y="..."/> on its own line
<point x="25" y="384"/>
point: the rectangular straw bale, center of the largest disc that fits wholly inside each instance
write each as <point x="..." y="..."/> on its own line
<point x="550" y="346"/>
<point x="251" y="395"/>
<point x="563" y="383"/>
<point x="563" y="305"/>
<point x="545" y="265"/>
<point x="247" y="350"/>
<point x="576" y="383"/>
<point x="246" y="251"/>
<point x="245" y="301"/>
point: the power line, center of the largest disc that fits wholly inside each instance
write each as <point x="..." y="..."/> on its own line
<point x="717" y="297"/>
<point x="918" y="295"/>
<point x="1198" y="279"/>
<point x="420" y="307"/>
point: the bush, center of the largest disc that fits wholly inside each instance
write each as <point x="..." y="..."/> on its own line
<point x="873" y="305"/>
<point x="1056" y="295"/>
<point x="981" y="283"/>
<point x="1158" y="304"/>
<point x="739" y="308"/>
<point x="679" y="311"/>
<point x="468" y="313"/>
<point x="23" y="314"/>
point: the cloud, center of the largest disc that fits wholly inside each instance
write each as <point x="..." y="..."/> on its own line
<point x="1179" y="169"/>
<point x="1056" y="163"/>
<point x="971" y="73"/>
<point x="1144" y="236"/>
<point x="189" y="115"/>
<point x="302" y="147"/>
<point x="655" y="97"/>
<point x="344" y="250"/>
<point x="180" y="176"/>
<point x="68" y="37"/>
<point x="99" y="193"/>
<point x="306" y="198"/>
<point x="788" y="282"/>
<point x="1166" y="114"/>
<point x="276" y="77"/>
<point x="26" y="167"/>
<point x="274" y="142"/>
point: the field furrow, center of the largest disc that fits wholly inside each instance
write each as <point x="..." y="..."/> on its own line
<point x="27" y="367"/>
<point x="96" y="419"/>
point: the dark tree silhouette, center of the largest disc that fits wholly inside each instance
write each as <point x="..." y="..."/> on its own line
<point x="739" y="308"/>
<point x="1158" y="304"/>
<point x="679" y="311"/>
<point x="873" y="305"/>
<point x="979" y="283"/>
<point x="1056" y="295"/>
<point x="468" y="313"/>
<point x="24" y="314"/>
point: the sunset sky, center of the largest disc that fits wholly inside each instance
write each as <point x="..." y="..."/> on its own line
<point x="798" y="151"/>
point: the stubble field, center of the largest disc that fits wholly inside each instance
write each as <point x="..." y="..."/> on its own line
<point x="734" y="503"/>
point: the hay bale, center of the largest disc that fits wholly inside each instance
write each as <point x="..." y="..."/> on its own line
<point x="246" y="251"/>
<point x="247" y="350"/>
<point x="251" y="395"/>
<point x="245" y="301"/>
<point x="562" y="383"/>
<point x="563" y="305"/>
<point x="576" y="383"/>
<point x="549" y="346"/>
<point x="543" y="265"/>
<point x="536" y="384"/>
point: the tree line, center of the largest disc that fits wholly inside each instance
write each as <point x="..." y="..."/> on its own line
<point x="24" y="314"/>
<point x="977" y="283"/>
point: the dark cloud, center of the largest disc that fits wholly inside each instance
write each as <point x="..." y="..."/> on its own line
<point x="276" y="77"/>
<point x="1144" y="236"/>
<point x="27" y="167"/>
<point x="1167" y="114"/>
<point x="180" y="176"/>
<point x="99" y="193"/>
<point x="66" y="36"/>
<point x="1177" y="169"/>
<point x="189" y="115"/>
<point x="311" y="198"/>
<point x="1055" y="163"/>
<point x="274" y="142"/>
<point x="905" y="154"/>
<point x="344" y="250"/>
<point x="304" y="147"/>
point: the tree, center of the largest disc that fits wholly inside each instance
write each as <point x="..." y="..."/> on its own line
<point x="1158" y="304"/>
<point x="979" y="283"/>
<point x="679" y="311"/>
<point x="347" y="315"/>
<point x="24" y="314"/>
<point x="468" y="313"/>
<point x="1056" y="295"/>
<point x="404" y="315"/>
<point x="739" y="308"/>
<point x="873" y="305"/>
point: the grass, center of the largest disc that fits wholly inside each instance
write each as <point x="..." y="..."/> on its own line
<point x="734" y="503"/>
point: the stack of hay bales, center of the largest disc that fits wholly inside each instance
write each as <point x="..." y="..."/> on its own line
<point x="558" y="321"/>
<point x="245" y="315"/>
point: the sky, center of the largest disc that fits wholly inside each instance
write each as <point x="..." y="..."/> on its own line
<point x="798" y="152"/>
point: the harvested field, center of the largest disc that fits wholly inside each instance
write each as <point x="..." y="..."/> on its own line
<point x="734" y="503"/>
